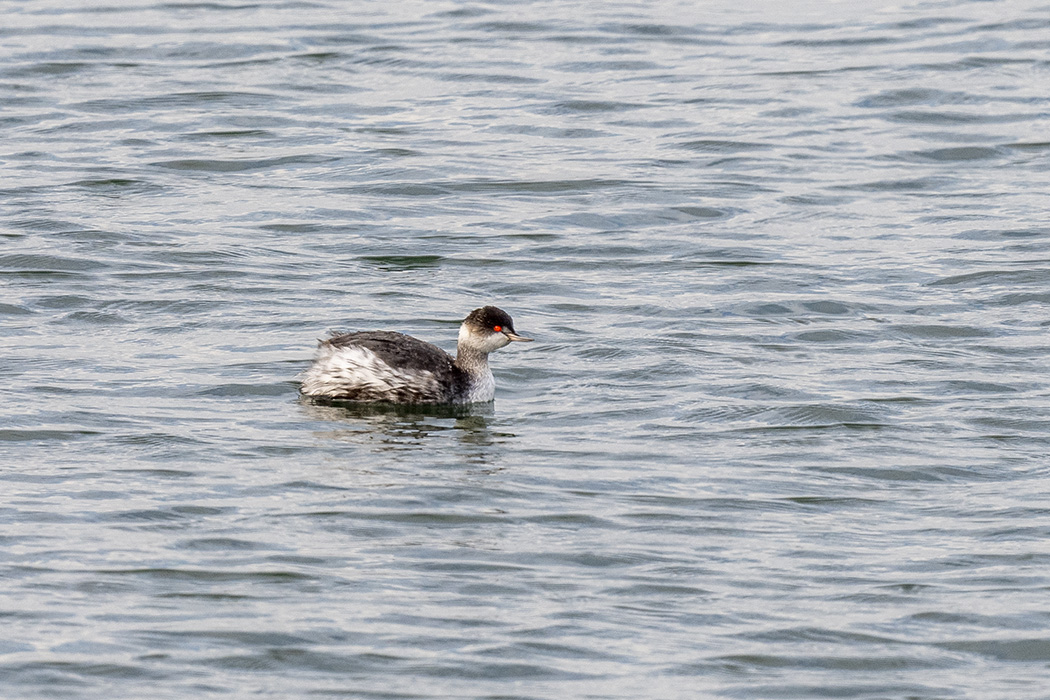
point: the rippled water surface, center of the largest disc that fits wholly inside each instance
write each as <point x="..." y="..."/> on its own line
<point x="783" y="433"/>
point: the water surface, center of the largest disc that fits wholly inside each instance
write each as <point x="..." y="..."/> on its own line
<point x="783" y="433"/>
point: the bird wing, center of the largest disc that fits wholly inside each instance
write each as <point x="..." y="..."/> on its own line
<point x="397" y="350"/>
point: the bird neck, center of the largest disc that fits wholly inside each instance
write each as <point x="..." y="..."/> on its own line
<point x="469" y="357"/>
<point x="471" y="360"/>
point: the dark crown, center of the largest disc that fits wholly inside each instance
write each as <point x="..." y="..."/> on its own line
<point x="487" y="317"/>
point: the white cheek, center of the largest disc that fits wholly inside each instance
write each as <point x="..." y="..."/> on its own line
<point x="483" y="341"/>
<point x="495" y="342"/>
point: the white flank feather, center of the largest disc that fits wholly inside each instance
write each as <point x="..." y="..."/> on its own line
<point x="339" y="370"/>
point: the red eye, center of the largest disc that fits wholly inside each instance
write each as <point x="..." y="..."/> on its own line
<point x="497" y="328"/>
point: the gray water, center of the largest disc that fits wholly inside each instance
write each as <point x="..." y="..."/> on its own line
<point x="784" y="432"/>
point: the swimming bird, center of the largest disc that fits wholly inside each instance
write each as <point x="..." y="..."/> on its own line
<point x="385" y="366"/>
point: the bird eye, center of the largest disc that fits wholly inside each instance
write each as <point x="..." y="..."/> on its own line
<point x="497" y="328"/>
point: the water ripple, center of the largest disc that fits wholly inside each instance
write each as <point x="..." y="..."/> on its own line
<point x="782" y="434"/>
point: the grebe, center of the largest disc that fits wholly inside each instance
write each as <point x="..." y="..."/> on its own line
<point x="397" y="368"/>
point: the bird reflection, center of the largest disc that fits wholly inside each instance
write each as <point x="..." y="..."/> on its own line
<point x="403" y="428"/>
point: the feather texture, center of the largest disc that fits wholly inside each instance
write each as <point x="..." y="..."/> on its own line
<point x="397" y="368"/>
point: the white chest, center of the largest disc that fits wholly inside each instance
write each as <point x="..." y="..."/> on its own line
<point x="483" y="388"/>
